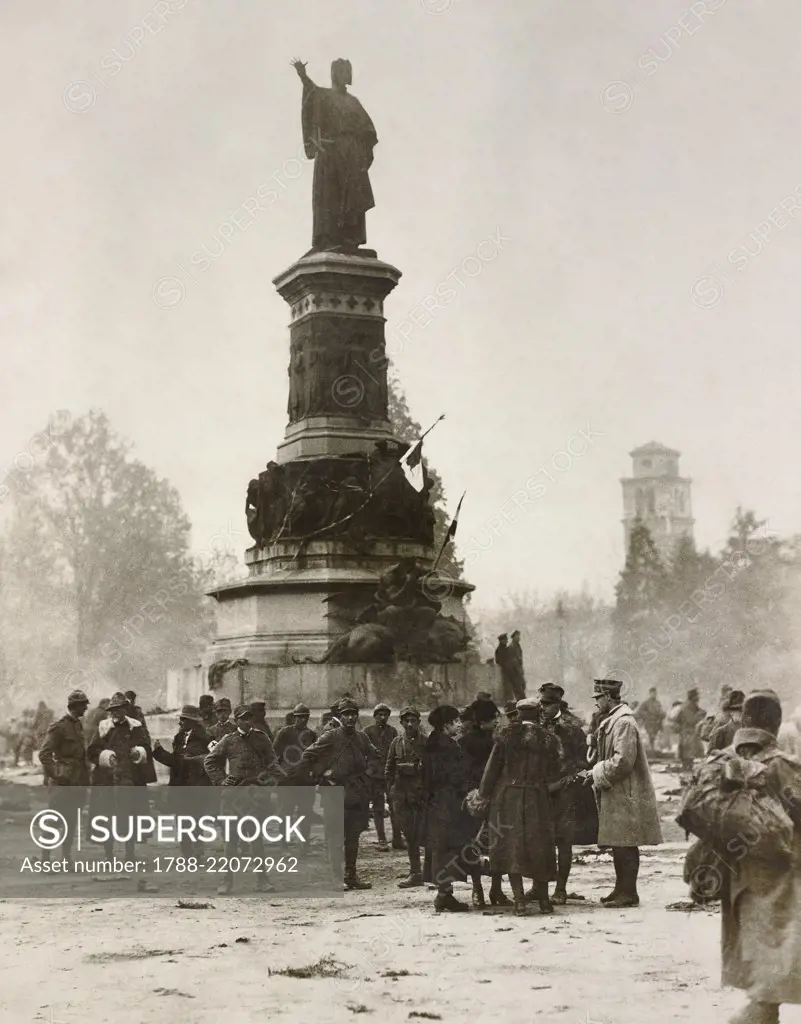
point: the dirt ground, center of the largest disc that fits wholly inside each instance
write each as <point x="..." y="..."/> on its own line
<point x="382" y="953"/>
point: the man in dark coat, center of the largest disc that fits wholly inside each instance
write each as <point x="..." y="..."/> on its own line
<point x="448" y="827"/>
<point x="344" y="756"/>
<point x="259" y="709"/>
<point x="516" y="673"/>
<point x="208" y="719"/>
<point x="564" y="791"/>
<point x="118" y="750"/>
<point x="66" y="770"/>
<point x="185" y="761"/>
<point x="381" y="734"/>
<point x="290" y="742"/>
<point x="250" y="760"/>
<point x="523" y="764"/>
<point x="403" y="773"/>
<point x="479" y="721"/>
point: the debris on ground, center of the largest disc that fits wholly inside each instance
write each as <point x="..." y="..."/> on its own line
<point x="325" y="967"/>
<point x="193" y="905"/>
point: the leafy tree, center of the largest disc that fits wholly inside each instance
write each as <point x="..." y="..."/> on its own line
<point x="110" y="541"/>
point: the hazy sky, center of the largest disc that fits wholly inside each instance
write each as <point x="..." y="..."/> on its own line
<point x="623" y="149"/>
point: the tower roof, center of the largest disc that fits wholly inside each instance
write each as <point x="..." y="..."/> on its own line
<point x="653" y="448"/>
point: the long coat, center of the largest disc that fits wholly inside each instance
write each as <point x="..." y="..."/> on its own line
<point x="117" y="789"/>
<point x="687" y="720"/>
<point x="627" y="814"/>
<point x="761" y="900"/>
<point x="524" y="760"/>
<point x="448" y="829"/>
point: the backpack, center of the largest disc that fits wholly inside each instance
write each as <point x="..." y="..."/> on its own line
<point x="731" y="806"/>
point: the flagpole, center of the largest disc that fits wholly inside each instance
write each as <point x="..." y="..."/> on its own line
<point x="419" y="440"/>
<point x="450" y="532"/>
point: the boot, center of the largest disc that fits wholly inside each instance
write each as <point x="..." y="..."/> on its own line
<point x="352" y="880"/>
<point x="446" y="901"/>
<point x="263" y="883"/>
<point x="541" y="889"/>
<point x="382" y="843"/>
<point x="477" y="896"/>
<point x="757" y="1013"/>
<point x="497" y="896"/>
<point x="227" y="886"/>
<point x="397" y="836"/>
<point x="414" y="880"/>
<point x="627" y="865"/>
<point x="520" y="907"/>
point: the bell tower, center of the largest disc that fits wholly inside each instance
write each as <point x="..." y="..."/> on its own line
<point x="659" y="497"/>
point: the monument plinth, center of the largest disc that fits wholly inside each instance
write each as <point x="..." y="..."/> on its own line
<point x="340" y="571"/>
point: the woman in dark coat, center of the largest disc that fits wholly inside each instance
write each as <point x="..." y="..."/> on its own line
<point x="449" y="828"/>
<point x="523" y="763"/>
<point x="477" y="740"/>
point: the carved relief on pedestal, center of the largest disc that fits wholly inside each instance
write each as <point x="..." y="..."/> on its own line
<point x="337" y="366"/>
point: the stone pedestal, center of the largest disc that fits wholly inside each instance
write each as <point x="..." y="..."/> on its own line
<point x="334" y="511"/>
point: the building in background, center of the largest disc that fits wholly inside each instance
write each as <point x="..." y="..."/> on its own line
<point x="659" y="497"/>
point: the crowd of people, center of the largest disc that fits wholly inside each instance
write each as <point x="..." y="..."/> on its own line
<point x="485" y="793"/>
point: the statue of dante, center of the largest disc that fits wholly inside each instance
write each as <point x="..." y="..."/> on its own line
<point x="339" y="136"/>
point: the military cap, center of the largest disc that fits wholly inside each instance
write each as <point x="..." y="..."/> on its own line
<point x="191" y="712"/>
<point x="77" y="697"/>
<point x="692" y="694"/>
<point x="503" y="636"/>
<point x="347" y="704"/>
<point x="510" y="708"/>
<point x="301" y="709"/>
<point x="258" y="704"/>
<point x="117" y="701"/>
<point x="223" y="702"/>
<point x="381" y="707"/>
<point x="611" y="687"/>
<point x="243" y="711"/>
<point x="550" y="693"/>
<point x="528" y="709"/>
<point x="409" y="712"/>
<point x="206" y="701"/>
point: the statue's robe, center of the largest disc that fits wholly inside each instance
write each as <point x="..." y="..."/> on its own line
<point x="339" y="136"/>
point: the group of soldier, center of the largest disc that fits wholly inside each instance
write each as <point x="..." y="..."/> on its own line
<point x="697" y="731"/>
<point x="481" y="790"/>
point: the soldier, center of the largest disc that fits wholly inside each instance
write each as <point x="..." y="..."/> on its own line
<point x="404" y="781"/>
<point x="627" y="814"/>
<point x="95" y="716"/>
<point x="688" y="718"/>
<point x="224" y="724"/>
<point x="43" y="719"/>
<point x="290" y="742"/>
<point x="25" y="738"/>
<point x="251" y="761"/>
<point x="381" y="734"/>
<point x="206" y="707"/>
<point x="259" y="709"/>
<point x="573" y="759"/>
<point x="66" y="770"/>
<point x="651" y="715"/>
<point x="723" y="734"/>
<point x="344" y="756"/>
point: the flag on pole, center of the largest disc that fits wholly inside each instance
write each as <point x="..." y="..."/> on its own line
<point x="451" y="532"/>
<point x="411" y="462"/>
